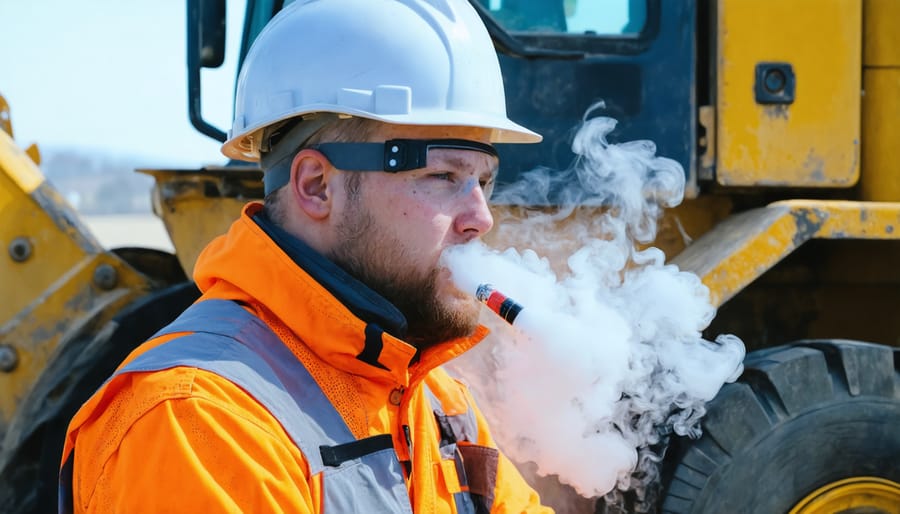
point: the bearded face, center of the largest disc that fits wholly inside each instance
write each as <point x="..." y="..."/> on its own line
<point x="389" y="229"/>
<point x="391" y="265"/>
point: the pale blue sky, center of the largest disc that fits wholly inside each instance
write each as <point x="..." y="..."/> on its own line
<point x="110" y="75"/>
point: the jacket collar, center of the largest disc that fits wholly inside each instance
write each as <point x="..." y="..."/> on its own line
<point x="364" y="303"/>
<point x="341" y="320"/>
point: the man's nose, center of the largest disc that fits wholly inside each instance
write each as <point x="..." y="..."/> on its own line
<point x="475" y="218"/>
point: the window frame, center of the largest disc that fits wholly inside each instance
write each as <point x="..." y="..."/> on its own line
<point x="538" y="44"/>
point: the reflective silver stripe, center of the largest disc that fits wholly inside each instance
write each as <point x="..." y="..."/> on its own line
<point x="474" y="470"/>
<point x="239" y="347"/>
<point x="373" y="483"/>
<point x="464" y="426"/>
<point x="227" y="340"/>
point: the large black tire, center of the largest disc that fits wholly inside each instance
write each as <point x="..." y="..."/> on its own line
<point x="800" y="417"/>
<point x="29" y="463"/>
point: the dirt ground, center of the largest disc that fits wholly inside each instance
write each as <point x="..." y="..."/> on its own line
<point x="121" y="230"/>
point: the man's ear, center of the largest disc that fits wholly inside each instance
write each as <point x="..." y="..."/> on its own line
<point x="311" y="175"/>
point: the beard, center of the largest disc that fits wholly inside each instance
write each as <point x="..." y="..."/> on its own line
<point x="380" y="261"/>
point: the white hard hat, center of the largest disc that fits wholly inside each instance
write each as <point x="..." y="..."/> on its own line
<point x="415" y="62"/>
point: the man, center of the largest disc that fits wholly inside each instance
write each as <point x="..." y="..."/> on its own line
<point x="307" y="377"/>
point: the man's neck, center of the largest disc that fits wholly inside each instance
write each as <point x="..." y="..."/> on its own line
<point x="362" y="301"/>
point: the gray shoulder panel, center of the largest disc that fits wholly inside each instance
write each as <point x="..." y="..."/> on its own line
<point x="232" y="343"/>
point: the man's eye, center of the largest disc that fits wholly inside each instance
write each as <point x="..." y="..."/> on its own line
<point x="441" y="176"/>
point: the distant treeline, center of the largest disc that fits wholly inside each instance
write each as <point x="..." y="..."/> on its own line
<point x="98" y="184"/>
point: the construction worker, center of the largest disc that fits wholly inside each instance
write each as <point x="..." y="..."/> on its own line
<point x="307" y="377"/>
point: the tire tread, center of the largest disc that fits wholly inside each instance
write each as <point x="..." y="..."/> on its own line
<point x="779" y="385"/>
<point x="863" y="368"/>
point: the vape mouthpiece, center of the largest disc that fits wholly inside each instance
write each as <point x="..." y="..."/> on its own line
<point x="505" y="307"/>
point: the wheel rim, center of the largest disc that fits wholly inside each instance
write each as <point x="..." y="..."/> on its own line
<point x="860" y="495"/>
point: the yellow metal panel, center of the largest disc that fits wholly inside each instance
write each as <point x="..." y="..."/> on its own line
<point x="737" y="251"/>
<point x="5" y="122"/>
<point x="198" y="205"/>
<point x="49" y="250"/>
<point x="881" y="130"/>
<point x="881" y="39"/>
<point x="50" y="254"/>
<point x="193" y="222"/>
<point x="845" y="220"/>
<point x="813" y="142"/>
<point x="56" y="277"/>
<point x="34" y="153"/>
<point x="71" y="302"/>
<point x="18" y="166"/>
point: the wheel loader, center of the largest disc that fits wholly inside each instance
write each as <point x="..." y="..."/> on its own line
<point x="784" y="114"/>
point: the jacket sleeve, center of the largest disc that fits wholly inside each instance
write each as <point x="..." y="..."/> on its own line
<point x="193" y="455"/>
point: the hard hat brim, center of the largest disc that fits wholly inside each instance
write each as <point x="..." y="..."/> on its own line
<point x="503" y="130"/>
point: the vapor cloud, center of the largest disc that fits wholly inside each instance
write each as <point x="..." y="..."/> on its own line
<point x="606" y="359"/>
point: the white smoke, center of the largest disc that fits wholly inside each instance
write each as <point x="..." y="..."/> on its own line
<point x="607" y="358"/>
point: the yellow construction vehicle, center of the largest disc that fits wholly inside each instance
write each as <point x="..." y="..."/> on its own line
<point x="783" y="113"/>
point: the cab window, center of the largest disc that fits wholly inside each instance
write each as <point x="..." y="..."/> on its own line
<point x="576" y="17"/>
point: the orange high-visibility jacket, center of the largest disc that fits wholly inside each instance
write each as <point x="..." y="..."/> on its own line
<point x="186" y="439"/>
